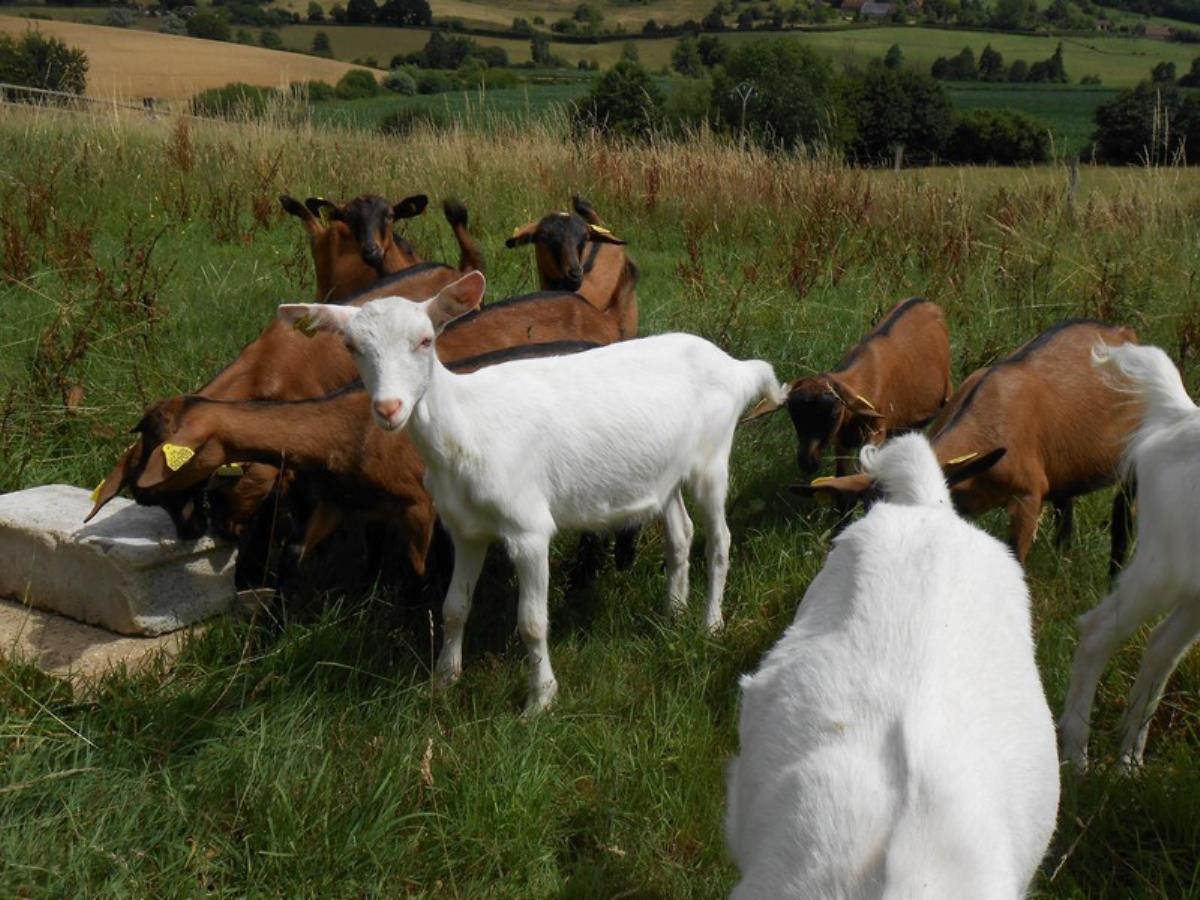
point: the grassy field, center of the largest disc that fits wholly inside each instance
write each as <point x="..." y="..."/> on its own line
<point x="305" y="755"/>
<point x="133" y="63"/>
<point x="1068" y="110"/>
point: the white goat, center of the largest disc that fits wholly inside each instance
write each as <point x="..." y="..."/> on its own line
<point x="519" y="451"/>
<point x="1164" y="575"/>
<point x="896" y="741"/>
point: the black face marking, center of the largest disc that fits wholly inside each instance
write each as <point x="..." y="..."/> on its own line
<point x="564" y="237"/>
<point x="815" y="416"/>
<point x="1018" y="356"/>
<point x="369" y="219"/>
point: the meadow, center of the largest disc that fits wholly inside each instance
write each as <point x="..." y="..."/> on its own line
<point x="299" y="750"/>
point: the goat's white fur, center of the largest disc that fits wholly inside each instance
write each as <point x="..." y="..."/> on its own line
<point x="1163" y="578"/>
<point x="896" y="741"/>
<point x="519" y="451"/>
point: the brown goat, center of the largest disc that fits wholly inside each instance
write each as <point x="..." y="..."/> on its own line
<point x="577" y="253"/>
<point x="896" y="378"/>
<point x="358" y="246"/>
<point x="1062" y="425"/>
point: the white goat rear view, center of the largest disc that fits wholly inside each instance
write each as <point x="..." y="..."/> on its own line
<point x="896" y="742"/>
<point x="1163" y="577"/>
<point x="519" y="451"/>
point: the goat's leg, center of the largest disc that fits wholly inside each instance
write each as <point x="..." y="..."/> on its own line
<point x="1168" y="643"/>
<point x="1101" y="631"/>
<point x="468" y="561"/>
<point x="530" y="555"/>
<point x="1024" y="511"/>
<point x="710" y="489"/>
<point x="1066" y="523"/>
<point x="625" y="547"/>
<point x="1121" y="526"/>
<point x="678" y="533"/>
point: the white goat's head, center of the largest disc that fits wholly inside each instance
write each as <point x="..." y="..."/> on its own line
<point x="391" y="340"/>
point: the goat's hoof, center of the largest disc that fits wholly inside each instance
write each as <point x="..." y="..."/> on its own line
<point x="1129" y="766"/>
<point x="715" y="625"/>
<point x="540" y="698"/>
<point x="443" y="681"/>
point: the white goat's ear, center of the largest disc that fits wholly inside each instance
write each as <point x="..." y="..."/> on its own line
<point x="455" y="299"/>
<point x="309" y="318"/>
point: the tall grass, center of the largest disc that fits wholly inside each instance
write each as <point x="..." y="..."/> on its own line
<point x="304" y="754"/>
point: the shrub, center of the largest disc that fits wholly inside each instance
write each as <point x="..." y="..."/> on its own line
<point x="1151" y="123"/>
<point x="234" y="101"/>
<point x="624" y="100"/>
<point x="434" y="83"/>
<point x="119" y="17"/>
<point x="898" y="108"/>
<point x="400" y="82"/>
<point x="357" y="84"/>
<point x="789" y="93"/>
<point x="270" y="39"/>
<point x="314" y="91"/>
<point x="1003" y="136"/>
<point x="34" y="60"/>
<point x="208" y="25"/>
<point x="172" y="24"/>
<point x="321" y="45"/>
<point x="407" y="119"/>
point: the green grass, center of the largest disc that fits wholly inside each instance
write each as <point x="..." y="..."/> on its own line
<point x="511" y="104"/>
<point x="1068" y="110"/>
<point x="306" y="756"/>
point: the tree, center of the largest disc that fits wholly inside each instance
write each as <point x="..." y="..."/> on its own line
<point x="624" y="100"/>
<point x="172" y="24"/>
<point x="991" y="65"/>
<point x="34" y="60"/>
<point x="1191" y="78"/>
<point x="894" y="58"/>
<point x="1000" y="136"/>
<point x="1150" y="123"/>
<point x="629" y="51"/>
<point x="898" y="108"/>
<point x="270" y="39"/>
<point x="539" y="50"/>
<point x="209" y="25"/>
<point x="315" y="12"/>
<point x="712" y="50"/>
<point x="782" y="91"/>
<point x="361" y="12"/>
<point x="1013" y="15"/>
<point x="651" y="27"/>
<point x="685" y="58"/>
<point x="357" y="84"/>
<point x="337" y="12"/>
<point x="1018" y="71"/>
<point x="1163" y="73"/>
<point x="405" y="13"/>
<point x="321" y="44"/>
<point x="714" y="20"/>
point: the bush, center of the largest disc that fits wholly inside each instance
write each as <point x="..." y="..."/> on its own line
<point x="208" y="25"/>
<point x="407" y="119"/>
<point x="434" y="83"/>
<point x="898" y="107"/>
<point x="119" y="17"/>
<point x="34" y="60"/>
<point x="357" y="84"/>
<point x="172" y="24"/>
<point x="1002" y="136"/>
<point x="234" y="101"/>
<point x="321" y="45"/>
<point x="400" y="82"/>
<point x="624" y="100"/>
<point x="314" y="91"/>
<point x="270" y="39"/>
<point x="1151" y="123"/>
<point x="790" y="93"/>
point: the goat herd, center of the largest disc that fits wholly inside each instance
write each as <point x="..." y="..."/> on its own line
<point x="897" y="740"/>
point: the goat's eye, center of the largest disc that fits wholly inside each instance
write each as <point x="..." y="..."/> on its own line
<point x="350" y="347"/>
<point x="425" y="343"/>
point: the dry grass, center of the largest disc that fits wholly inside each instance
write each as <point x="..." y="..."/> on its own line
<point x="132" y="63"/>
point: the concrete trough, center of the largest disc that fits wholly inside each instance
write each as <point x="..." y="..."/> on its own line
<point x="125" y="570"/>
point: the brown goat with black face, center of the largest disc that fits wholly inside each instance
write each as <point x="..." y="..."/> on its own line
<point x="895" y="378"/>
<point x="576" y="252"/>
<point x="1062" y="424"/>
<point x="357" y="247"/>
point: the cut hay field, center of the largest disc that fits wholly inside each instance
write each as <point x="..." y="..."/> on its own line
<point x="301" y="752"/>
<point x="126" y="62"/>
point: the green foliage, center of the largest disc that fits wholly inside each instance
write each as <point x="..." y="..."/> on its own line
<point x="623" y="101"/>
<point x="35" y="60"/>
<point x="209" y="25"/>
<point x="999" y="136"/>
<point x="1149" y="124"/>
<point x="1191" y="78"/>
<point x="321" y="44"/>
<point x="234" y="101"/>
<point x="991" y="65"/>
<point x="405" y="13"/>
<point x="119" y="17"/>
<point x="314" y="91"/>
<point x="1013" y="15"/>
<point x="434" y="83"/>
<point x="786" y="93"/>
<point x="894" y="58"/>
<point x="406" y="119"/>
<point x="270" y="39"/>
<point x="898" y="108"/>
<point x="170" y="23"/>
<point x="361" y="12"/>
<point x="685" y="58"/>
<point x="1163" y="73"/>
<point x="400" y="82"/>
<point x="316" y="12"/>
<point x="357" y="84"/>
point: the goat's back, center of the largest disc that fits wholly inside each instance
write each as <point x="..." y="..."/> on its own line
<point x="897" y="737"/>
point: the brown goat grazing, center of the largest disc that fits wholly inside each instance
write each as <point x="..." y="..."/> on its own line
<point x="577" y="253"/>
<point x="358" y="246"/>
<point x="895" y="378"/>
<point x="1063" y="427"/>
<point x="284" y="365"/>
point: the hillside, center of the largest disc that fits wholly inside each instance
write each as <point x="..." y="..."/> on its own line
<point x="132" y="63"/>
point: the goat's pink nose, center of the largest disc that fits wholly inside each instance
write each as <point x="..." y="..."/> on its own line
<point x="387" y="408"/>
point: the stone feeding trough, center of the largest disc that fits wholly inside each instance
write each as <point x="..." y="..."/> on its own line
<point x="125" y="571"/>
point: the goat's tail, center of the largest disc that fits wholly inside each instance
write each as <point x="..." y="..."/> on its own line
<point x="907" y="470"/>
<point x="470" y="257"/>
<point x="762" y="385"/>
<point x="1149" y="373"/>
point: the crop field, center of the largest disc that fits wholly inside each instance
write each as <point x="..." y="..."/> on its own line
<point x="475" y="107"/>
<point x="126" y="62"/>
<point x="299" y="751"/>
<point x="1068" y="110"/>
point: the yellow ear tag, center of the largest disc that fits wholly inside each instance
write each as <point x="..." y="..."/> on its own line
<point x="306" y="325"/>
<point x="516" y="231"/>
<point x="177" y="456"/>
<point x="600" y="228"/>
<point x="99" y="488"/>
<point x="962" y="459"/>
<point x="820" y="480"/>
<point x="233" y="470"/>
<point x="867" y="403"/>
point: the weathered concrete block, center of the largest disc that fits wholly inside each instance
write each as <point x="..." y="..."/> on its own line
<point x="124" y="570"/>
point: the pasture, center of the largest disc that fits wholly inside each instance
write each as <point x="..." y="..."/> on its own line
<point x="300" y="751"/>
